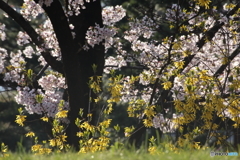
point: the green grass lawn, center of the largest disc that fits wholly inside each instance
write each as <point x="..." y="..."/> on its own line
<point x="122" y="155"/>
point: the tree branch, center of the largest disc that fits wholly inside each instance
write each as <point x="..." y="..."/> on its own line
<point x="36" y="39"/>
<point x="230" y="58"/>
<point x="60" y="25"/>
<point x="127" y="67"/>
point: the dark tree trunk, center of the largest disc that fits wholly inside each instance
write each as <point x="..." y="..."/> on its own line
<point x="76" y="63"/>
<point x="79" y="94"/>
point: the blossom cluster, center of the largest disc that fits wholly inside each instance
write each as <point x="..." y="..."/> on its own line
<point x="95" y="35"/>
<point x="3" y="55"/>
<point x="74" y="6"/>
<point x="43" y="101"/>
<point x="38" y="102"/>
<point x="50" y="41"/>
<point x="2" y="33"/>
<point x="175" y="13"/>
<point x="204" y="3"/>
<point x="145" y="27"/>
<point x="28" y="52"/>
<point x="17" y="63"/>
<point x="111" y="15"/>
<point x="166" y="125"/>
<point x="30" y="9"/>
<point x="23" y="38"/>
<point x="52" y="82"/>
<point x="148" y="51"/>
<point x="209" y="58"/>
<point x="129" y="93"/>
<point x="113" y="62"/>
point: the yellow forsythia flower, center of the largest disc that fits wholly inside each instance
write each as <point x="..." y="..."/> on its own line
<point x="44" y="119"/>
<point x="3" y="150"/>
<point x="62" y="114"/>
<point x="147" y="123"/>
<point x="179" y="65"/>
<point x="45" y="150"/>
<point x="52" y="142"/>
<point x="36" y="147"/>
<point x="128" y="131"/>
<point x="196" y="145"/>
<point x="204" y="3"/>
<point x="79" y="134"/>
<point x="149" y="111"/>
<point x="105" y="123"/>
<point x="30" y="134"/>
<point x="152" y="150"/>
<point x="167" y="85"/>
<point x="20" y="119"/>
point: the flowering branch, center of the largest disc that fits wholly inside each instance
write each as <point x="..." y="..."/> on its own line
<point x="36" y="39"/>
<point x="208" y="35"/>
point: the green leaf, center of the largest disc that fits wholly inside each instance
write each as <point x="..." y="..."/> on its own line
<point x="81" y="112"/>
<point x="20" y="110"/>
<point x="230" y="79"/>
<point x="94" y="67"/>
<point x="29" y="74"/>
<point x="189" y="87"/>
<point x="39" y="98"/>
<point x="61" y="104"/>
<point x="117" y="128"/>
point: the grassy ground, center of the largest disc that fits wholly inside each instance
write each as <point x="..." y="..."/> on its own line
<point x="120" y="155"/>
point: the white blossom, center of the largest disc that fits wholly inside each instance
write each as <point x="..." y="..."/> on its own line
<point x="23" y="38"/>
<point x="166" y="125"/>
<point x="2" y="32"/>
<point x="3" y="56"/>
<point x="51" y="82"/>
<point x="48" y="106"/>
<point x="111" y="14"/>
<point x="95" y="35"/>
<point x="28" y="51"/>
<point x="30" y="9"/>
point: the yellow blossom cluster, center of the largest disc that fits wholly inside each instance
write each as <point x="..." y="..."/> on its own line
<point x="94" y="83"/>
<point x="20" y="119"/>
<point x="135" y="108"/>
<point x="167" y="85"/>
<point x="4" y="150"/>
<point x="150" y="113"/>
<point x="204" y="3"/>
<point x="94" y="145"/>
<point x="39" y="149"/>
<point x="88" y="131"/>
<point x="58" y="141"/>
<point x="128" y="131"/>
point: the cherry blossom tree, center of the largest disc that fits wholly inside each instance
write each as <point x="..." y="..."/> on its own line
<point x="193" y="66"/>
<point x="58" y="43"/>
<point x="186" y="82"/>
